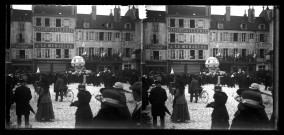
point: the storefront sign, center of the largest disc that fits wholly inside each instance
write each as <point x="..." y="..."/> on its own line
<point x="50" y="61"/>
<point x="262" y="45"/>
<point x="54" y="45"/>
<point x="22" y="46"/>
<point x="45" y="29"/>
<point x="188" y="46"/>
<point x="188" y="62"/>
<point x="155" y="47"/>
<point x="179" y="30"/>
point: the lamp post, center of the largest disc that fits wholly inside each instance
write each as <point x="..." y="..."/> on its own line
<point x="142" y="16"/>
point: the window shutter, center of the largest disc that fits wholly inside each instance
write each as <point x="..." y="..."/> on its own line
<point x="247" y="37"/>
<point x="131" y="36"/>
<point x="34" y="21"/>
<point x="204" y="54"/>
<point x="185" y="54"/>
<point x="169" y="37"/>
<point x="70" y="53"/>
<point x="196" y="24"/>
<point x="176" y="37"/>
<point x="42" y="37"/>
<point x="197" y="38"/>
<point x="35" y="52"/>
<point x="105" y="36"/>
<point x="204" y="24"/>
<point x="42" y="52"/>
<point x="177" y="53"/>
<point x="17" y="38"/>
<point x="168" y="22"/>
<point x="97" y="36"/>
<point x="176" y="22"/>
<point x="265" y="37"/>
<point x="54" y="22"/>
<point x="42" y="22"/>
<point x="151" y="38"/>
<point x="239" y="37"/>
<point x="161" y="55"/>
<point x="211" y="52"/>
<point x="113" y="36"/>
<point x="196" y="54"/>
<point x="185" y="23"/>
<point x="77" y="51"/>
<point x="122" y="36"/>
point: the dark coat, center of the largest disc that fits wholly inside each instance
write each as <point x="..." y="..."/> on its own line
<point x="84" y="113"/>
<point x="22" y="98"/>
<point x="194" y="84"/>
<point x="157" y="98"/>
<point x="137" y="116"/>
<point x="110" y="117"/>
<point x="220" y="116"/>
<point x="247" y="118"/>
<point x="59" y="85"/>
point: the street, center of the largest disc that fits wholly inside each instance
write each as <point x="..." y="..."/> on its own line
<point x="200" y="117"/>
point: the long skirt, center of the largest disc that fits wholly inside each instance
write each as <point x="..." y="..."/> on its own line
<point x="45" y="112"/>
<point x="180" y="113"/>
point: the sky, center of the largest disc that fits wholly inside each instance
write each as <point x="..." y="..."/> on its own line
<point x="105" y="9"/>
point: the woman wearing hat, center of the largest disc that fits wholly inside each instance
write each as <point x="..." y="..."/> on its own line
<point x="220" y="116"/>
<point x="250" y="114"/>
<point x="84" y="113"/>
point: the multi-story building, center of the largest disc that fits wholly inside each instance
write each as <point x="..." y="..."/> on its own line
<point x="21" y="47"/>
<point x="239" y="42"/>
<point x="187" y="35"/>
<point x="155" y="47"/>
<point x="53" y="36"/>
<point x="108" y="40"/>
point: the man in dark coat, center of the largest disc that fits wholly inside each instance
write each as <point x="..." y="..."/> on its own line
<point x="137" y="96"/>
<point x="59" y="88"/>
<point x="250" y="114"/>
<point x="84" y="113"/>
<point x="22" y="98"/>
<point x="157" y="98"/>
<point x="220" y="116"/>
<point x="145" y="98"/>
<point x="193" y="89"/>
<point x="118" y="86"/>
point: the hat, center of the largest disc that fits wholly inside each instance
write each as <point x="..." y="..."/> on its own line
<point x="81" y="87"/>
<point x="137" y="86"/>
<point x="118" y="85"/>
<point x="112" y="98"/>
<point x="254" y="86"/>
<point x="217" y="88"/>
<point x="252" y="99"/>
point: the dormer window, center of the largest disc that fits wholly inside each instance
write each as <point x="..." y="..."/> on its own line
<point x="127" y="26"/>
<point x="86" y="24"/>
<point x="261" y="27"/>
<point x="220" y="25"/>
<point x="243" y="26"/>
<point x="109" y="25"/>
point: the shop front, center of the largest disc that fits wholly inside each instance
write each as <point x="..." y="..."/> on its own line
<point x="186" y="66"/>
<point x="52" y="65"/>
<point x="160" y="67"/>
<point x="22" y="65"/>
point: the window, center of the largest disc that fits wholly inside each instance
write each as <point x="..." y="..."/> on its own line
<point x="261" y="53"/>
<point x="215" y="51"/>
<point x="200" y="54"/>
<point x="109" y="25"/>
<point x="181" y="38"/>
<point x="58" y="22"/>
<point x="66" y="53"/>
<point x="127" y="26"/>
<point x="58" y="53"/>
<point x="172" y="22"/>
<point x="127" y="52"/>
<point x="213" y="36"/>
<point x="235" y="36"/>
<point x="47" y="53"/>
<point x="251" y="36"/>
<point x="181" y="54"/>
<point x="91" y="51"/>
<point x="172" y="52"/>
<point x="127" y="66"/>
<point x="261" y="38"/>
<point x="155" y="27"/>
<point x="91" y="36"/>
<point x="46" y="22"/>
<point x="47" y="37"/>
<point x="200" y="24"/>
<point x="38" y="53"/>
<point x="180" y="23"/>
<point x="220" y="25"/>
<point x="226" y="36"/>
<point x="101" y="36"/>
<point x="261" y="27"/>
<point x="155" y="39"/>
<point x="117" y="35"/>
<point x="38" y="37"/>
<point x="235" y="51"/>
<point x="243" y="26"/>
<point x="192" y="23"/>
<point x="225" y="52"/>
<point x="101" y="50"/>
<point x="21" y="26"/>
<point x="66" y="23"/>
<point x="244" y="35"/>
<point x="38" y="21"/>
<point x="127" y="36"/>
<point x="81" y="51"/>
<point x="172" y="38"/>
<point x="261" y="67"/>
<point x="20" y="38"/>
<point x="86" y="24"/>
<point x="109" y="34"/>
<point x="22" y="54"/>
<point x="156" y="55"/>
<point x="192" y="54"/>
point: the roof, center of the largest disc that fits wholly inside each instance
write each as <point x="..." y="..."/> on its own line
<point x="186" y="10"/>
<point x="236" y="21"/>
<point x="53" y="10"/>
<point x="21" y="15"/>
<point x="101" y="20"/>
<point x="267" y="14"/>
<point x="151" y="15"/>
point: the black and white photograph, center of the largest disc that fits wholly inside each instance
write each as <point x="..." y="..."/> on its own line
<point x="171" y="67"/>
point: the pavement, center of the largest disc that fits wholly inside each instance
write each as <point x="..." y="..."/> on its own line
<point x="200" y="117"/>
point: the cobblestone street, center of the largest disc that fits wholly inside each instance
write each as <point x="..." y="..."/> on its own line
<point x="200" y="117"/>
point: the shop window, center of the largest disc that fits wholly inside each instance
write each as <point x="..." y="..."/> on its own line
<point x="235" y="51"/>
<point x="109" y="51"/>
<point x="47" y="22"/>
<point x="58" y="53"/>
<point x="38" y="21"/>
<point x="192" y="54"/>
<point x="58" y="22"/>
<point x="172" y="22"/>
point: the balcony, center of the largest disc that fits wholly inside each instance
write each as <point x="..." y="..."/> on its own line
<point x="232" y="59"/>
<point x="114" y="57"/>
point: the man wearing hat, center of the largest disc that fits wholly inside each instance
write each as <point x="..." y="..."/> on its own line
<point x="110" y="115"/>
<point x="22" y="98"/>
<point x="84" y="113"/>
<point x="193" y="89"/>
<point x="157" y="98"/>
<point x="250" y="114"/>
<point x="59" y="88"/>
<point x="220" y="116"/>
<point x="118" y="86"/>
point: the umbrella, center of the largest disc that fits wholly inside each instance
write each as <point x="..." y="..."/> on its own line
<point x="31" y="109"/>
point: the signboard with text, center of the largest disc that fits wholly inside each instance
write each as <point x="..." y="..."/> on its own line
<point x="180" y="30"/>
<point x="54" y="45"/>
<point x="188" y="46"/>
<point x="155" y="47"/>
<point x="22" y="46"/>
<point x="46" y="29"/>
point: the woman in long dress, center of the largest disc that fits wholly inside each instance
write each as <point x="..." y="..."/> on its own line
<point x="45" y="108"/>
<point x="180" y="109"/>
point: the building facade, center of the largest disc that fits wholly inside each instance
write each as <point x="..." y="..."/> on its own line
<point x="239" y="42"/>
<point x="187" y="37"/>
<point x="53" y="36"/>
<point x="21" y="43"/>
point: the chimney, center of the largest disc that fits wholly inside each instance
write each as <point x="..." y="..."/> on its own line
<point x="228" y="13"/>
<point x="249" y="14"/>
<point x="115" y="14"/>
<point x="110" y="13"/>
<point x="252" y="15"/>
<point x="118" y="14"/>
<point x="245" y="15"/>
<point x="33" y="8"/>
<point x="94" y="12"/>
